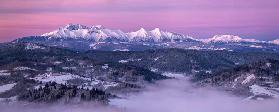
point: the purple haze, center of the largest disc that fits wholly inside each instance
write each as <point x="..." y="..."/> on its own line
<point x="197" y="18"/>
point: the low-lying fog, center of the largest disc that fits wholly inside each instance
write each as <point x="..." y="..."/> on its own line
<point x="174" y="95"/>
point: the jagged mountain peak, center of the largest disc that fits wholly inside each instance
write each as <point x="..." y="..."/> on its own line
<point x="156" y="30"/>
<point x="142" y="31"/>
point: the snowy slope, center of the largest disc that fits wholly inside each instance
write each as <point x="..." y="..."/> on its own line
<point x="228" y="38"/>
<point x="258" y="90"/>
<point x="275" y="41"/>
<point x="156" y="35"/>
<point x="6" y="87"/>
<point x="76" y="31"/>
<point x="100" y="33"/>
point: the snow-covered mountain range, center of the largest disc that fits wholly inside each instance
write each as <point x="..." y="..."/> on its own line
<point x="100" y="33"/>
<point x="80" y="37"/>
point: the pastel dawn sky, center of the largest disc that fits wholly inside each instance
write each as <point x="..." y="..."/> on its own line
<point x="198" y="18"/>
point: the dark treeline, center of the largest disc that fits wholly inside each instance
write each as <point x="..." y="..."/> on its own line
<point x="53" y="92"/>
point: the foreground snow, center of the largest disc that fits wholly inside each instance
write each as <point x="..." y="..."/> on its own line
<point x="6" y="87"/>
<point x="258" y="90"/>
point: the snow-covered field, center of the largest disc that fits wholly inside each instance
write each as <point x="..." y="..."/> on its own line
<point x="59" y="78"/>
<point x="6" y="87"/>
<point x="4" y="73"/>
<point x="173" y="75"/>
<point x="63" y="78"/>
<point x="31" y="46"/>
<point x="129" y="60"/>
<point x="258" y="90"/>
<point x="23" y="68"/>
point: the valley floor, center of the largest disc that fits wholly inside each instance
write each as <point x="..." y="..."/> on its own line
<point x="179" y="95"/>
<point x="171" y="95"/>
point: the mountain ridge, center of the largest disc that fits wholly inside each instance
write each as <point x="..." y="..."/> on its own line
<point x="99" y="31"/>
<point x="81" y="37"/>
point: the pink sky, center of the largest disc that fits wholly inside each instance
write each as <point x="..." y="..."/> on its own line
<point x="197" y="18"/>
